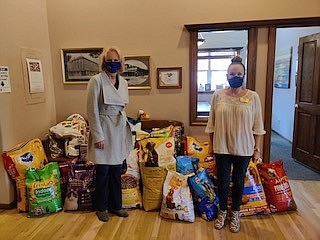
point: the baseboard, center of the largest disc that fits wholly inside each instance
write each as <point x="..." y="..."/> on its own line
<point x="284" y="138"/>
<point x="11" y="205"/>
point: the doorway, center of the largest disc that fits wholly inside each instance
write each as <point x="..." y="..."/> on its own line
<point x="284" y="97"/>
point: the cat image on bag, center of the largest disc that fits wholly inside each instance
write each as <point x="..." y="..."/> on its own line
<point x="71" y="201"/>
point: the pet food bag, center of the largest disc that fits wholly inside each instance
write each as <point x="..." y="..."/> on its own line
<point x="80" y="187"/>
<point x="152" y="180"/>
<point x="177" y="201"/>
<point x="130" y="182"/>
<point x="195" y="148"/>
<point x="254" y="200"/>
<point x="43" y="189"/>
<point x="186" y="164"/>
<point x="17" y="160"/>
<point x="204" y="196"/>
<point x="157" y="152"/>
<point x="276" y="185"/>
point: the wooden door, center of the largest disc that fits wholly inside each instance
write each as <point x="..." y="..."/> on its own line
<point x="306" y="136"/>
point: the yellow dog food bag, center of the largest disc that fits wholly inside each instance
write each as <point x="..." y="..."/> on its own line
<point x="17" y="160"/>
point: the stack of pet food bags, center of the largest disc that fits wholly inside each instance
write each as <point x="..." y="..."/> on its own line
<point x="156" y="155"/>
<point x="66" y="136"/>
<point x="187" y="190"/>
<point x="38" y="185"/>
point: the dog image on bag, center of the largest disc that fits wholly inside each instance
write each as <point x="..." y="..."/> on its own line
<point x="71" y="201"/>
<point x="152" y="155"/>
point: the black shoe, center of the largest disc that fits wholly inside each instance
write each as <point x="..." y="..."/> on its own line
<point x="103" y="216"/>
<point x="120" y="213"/>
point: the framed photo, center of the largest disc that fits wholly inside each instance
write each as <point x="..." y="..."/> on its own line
<point x="137" y="72"/>
<point x="169" y="77"/>
<point x="79" y="64"/>
<point x="282" y="68"/>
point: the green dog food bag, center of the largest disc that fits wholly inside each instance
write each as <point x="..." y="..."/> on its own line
<point x="43" y="190"/>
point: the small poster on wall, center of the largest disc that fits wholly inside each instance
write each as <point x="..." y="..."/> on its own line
<point x="282" y="68"/>
<point x="5" y="86"/>
<point x="35" y="76"/>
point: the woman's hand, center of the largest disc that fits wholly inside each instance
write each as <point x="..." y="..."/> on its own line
<point x="256" y="155"/>
<point x="99" y="145"/>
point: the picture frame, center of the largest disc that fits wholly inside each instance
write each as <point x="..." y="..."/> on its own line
<point x="137" y="72"/>
<point x="282" y="68"/>
<point x="80" y="64"/>
<point x="169" y="78"/>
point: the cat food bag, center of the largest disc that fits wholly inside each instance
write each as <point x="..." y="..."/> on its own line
<point x="187" y="165"/>
<point x="17" y="160"/>
<point x="43" y="189"/>
<point x="130" y="182"/>
<point x="204" y="194"/>
<point x="276" y="185"/>
<point x="80" y="187"/>
<point x="254" y="200"/>
<point x="177" y="201"/>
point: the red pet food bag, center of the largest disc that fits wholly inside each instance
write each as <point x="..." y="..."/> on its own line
<point x="276" y="186"/>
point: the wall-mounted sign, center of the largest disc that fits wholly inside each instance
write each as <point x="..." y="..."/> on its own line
<point x="35" y="75"/>
<point x="4" y="80"/>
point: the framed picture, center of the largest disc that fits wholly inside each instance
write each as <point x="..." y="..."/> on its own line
<point x="79" y="64"/>
<point x="282" y="68"/>
<point x="137" y="72"/>
<point x="169" y="77"/>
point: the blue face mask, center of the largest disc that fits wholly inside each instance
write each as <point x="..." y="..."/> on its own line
<point x="112" y="67"/>
<point x="235" y="82"/>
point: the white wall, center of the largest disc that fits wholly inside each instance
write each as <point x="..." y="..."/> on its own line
<point x="284" y="99"/>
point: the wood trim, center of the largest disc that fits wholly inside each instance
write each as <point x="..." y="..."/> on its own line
<point x="11" y="205"/>
<point x="269" y="93"/>
<point x="252" y="58"/>
<point x="290" y="22"/>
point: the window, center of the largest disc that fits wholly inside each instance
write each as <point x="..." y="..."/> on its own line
<point x="212" y="67"/>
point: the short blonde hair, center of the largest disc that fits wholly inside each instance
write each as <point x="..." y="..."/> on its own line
<point x="103" y="58"/>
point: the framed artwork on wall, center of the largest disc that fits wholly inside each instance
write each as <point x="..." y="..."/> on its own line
<point x="169" y="78"/>
<point x="282" y="68"/>
<point x="79" y="64"/>
<point x="137" y="72"/>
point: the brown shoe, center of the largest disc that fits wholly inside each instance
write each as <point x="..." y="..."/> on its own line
<point x="120" y="213"/>
<point x="103" y="216"/>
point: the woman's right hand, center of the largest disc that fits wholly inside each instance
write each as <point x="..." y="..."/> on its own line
<point x="99" y="145"/>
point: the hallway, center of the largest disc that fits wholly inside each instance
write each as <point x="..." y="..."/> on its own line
<point x="281" y="148"/>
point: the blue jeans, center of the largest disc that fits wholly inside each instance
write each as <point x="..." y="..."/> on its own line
<point x="240" y="165"/>
<point x="107" y="195"/>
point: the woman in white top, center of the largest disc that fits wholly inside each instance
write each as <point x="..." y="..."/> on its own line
<point x="110" y="139"/>
<point x="235" y="127"/>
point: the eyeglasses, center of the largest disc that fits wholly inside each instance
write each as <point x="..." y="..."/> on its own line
<point x="233" y="74"/>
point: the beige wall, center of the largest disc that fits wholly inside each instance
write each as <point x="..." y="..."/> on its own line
<point x="23" y="25"/>
<point x="142" y="27"/>
<point x="155" y="29"/>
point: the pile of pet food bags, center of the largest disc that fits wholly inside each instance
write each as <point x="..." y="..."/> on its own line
<point x="157" y="175"/>
<point x="183" y="186"/>
<point x="47" y="187"/>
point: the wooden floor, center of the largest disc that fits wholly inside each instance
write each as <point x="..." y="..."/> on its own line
<point x="301" y="224"/>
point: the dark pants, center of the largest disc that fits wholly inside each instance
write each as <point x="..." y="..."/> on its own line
<point x="107" y="195"/>
<point x="240" y="165"/>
